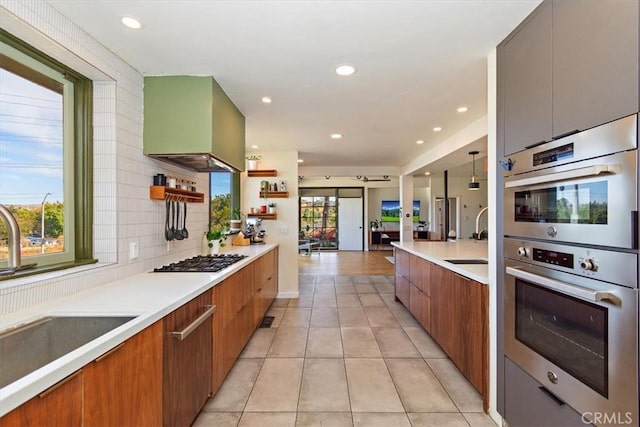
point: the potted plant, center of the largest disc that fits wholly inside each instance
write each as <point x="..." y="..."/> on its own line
<point x="375" y="224"/>
<point x="272" y="207"/>
<point x="216" y="241"/>
<point x="235" y="223"/>
<point x="252" y="162"/>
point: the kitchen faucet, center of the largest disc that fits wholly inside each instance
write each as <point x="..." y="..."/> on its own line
<point x="13" y="262"/>
<point x="14" y="238"/>
<point x="477" y="233"/>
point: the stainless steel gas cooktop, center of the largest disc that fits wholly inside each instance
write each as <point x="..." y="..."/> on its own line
<point x="201" y="264"/>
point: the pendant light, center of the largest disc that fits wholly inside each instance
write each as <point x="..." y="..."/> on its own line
<point x="474" y="184"/>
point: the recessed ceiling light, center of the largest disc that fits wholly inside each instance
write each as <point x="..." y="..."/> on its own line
<point x="437" y="129"/>
<point x="266" y="100"/>
<point x="300" y="161"/>
<point x="419" y="142"/>
<point x="462" y="109"/>
<point x="255" y="146"/>
<point x="427" y="173"/>
<point x="130" y="22"/>
<point x="336" y="135"/>
<point x="345" y="70"/>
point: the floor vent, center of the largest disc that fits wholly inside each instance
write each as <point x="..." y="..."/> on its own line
<point x="267" y="321"/>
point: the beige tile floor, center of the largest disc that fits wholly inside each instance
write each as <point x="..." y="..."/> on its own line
<point x="343" y="354"/>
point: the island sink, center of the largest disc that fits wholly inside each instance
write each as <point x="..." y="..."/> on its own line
<point x="467" y="261"/>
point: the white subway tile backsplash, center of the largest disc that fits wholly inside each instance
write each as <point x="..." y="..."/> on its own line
<point x="122" y="174"/>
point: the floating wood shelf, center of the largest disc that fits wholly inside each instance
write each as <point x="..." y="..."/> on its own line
<point x="263" y="215"/>
<point x="262" y="172"/>
<point x="160" y="192"/>
<point x="274" y="194"/>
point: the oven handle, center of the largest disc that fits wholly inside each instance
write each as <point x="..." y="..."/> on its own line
<point x="594" y="170"/>
<point x="576" y="291"/>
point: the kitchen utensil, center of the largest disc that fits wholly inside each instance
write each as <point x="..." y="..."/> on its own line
<point x="178" y="235"/>
<point x="185" y="232"/>
<point x="167" y="230"/>
<point x="173" y="221"/>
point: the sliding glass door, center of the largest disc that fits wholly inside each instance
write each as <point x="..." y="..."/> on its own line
<point x="319" y="216"/>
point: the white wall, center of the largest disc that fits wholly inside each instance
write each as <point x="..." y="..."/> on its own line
<point x="422" y="191"/>
<point x="493" y="236"/>
<point x="284" y="230"/>
<point x="471" y="202"/>
<point x="374" y="205"/>
<point x="123" y="211"/>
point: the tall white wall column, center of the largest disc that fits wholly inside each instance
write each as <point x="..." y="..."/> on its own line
<point x="406" y="201"/>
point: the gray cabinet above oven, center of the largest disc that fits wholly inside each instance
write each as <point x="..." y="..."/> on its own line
<point x="570" y="66"/>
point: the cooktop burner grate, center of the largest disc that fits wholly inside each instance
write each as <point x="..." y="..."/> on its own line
<point x="201" y="264"/>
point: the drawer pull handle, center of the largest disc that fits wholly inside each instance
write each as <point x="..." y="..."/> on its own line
<point x="181" y="335"/>
<point x="109" y="353"/>
<point x="551" y="395"/>
<point x="466" y="279"/>
<point x="59" y="384"/>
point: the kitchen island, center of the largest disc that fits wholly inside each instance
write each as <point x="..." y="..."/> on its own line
<point x="449" y="300"/>
<point x="151" y="299"/>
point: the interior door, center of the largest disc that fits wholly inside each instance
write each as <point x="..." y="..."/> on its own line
<point x="350" y="219"/>
<point x="454" y="218"/>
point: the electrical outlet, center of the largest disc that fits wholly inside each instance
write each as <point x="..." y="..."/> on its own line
<point x="134" y="250"/>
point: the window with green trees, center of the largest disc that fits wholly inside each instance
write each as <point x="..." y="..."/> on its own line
<point x="45" y="141"/>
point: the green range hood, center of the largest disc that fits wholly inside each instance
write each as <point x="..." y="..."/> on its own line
<point x="190" y="121"/>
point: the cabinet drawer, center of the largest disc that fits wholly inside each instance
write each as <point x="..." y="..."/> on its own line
<point x="538" y="408"/>
<point x="187" y="360"/>
<point x="420" y="307"/>
<point x="402" y="290"/>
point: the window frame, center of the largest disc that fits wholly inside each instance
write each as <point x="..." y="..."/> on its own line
<point x="82" y="162"/>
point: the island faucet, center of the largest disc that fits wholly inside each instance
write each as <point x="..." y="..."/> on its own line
<point x="477" y="233"/>
<point x="14" y="238"/>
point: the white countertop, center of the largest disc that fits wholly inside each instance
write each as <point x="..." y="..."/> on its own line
<point x="437" y="252"/>
<point x="150" y="296"/>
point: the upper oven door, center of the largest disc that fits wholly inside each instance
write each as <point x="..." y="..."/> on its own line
<point x="592" y="202"/>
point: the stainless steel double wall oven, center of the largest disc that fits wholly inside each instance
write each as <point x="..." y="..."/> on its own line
<point x="571" y="269"/>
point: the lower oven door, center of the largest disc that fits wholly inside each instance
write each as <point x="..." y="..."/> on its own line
<point x="578" y="337"/>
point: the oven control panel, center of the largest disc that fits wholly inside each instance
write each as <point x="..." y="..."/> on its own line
<point x="616" y="267"/>
<point x="553" y="257"/>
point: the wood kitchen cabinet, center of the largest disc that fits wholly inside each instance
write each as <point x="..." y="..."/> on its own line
<point x="233" y="322"/>
<point x="240" y="302"/>
<point x="266" y="284"/>
<point x="402" y="290"/>
<point x="570" y="66"/>
<point x="420" y="306"/>
<point x="58" y="406"/>
<point x="124" y="386"/>
<point x="419" y="300"/>
<point x="459" y="323"/>
<point x="453" y="309"/>
<point x="188" y="347"/>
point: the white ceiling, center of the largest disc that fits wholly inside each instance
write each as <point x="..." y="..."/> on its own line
<point x="417" y="61"/>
